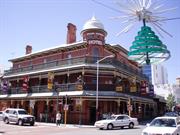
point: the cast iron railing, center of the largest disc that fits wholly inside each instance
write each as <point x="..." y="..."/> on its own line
<point x="74" y="61"/>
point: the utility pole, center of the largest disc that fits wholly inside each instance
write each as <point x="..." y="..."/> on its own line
<point x="65" y="110"/>
<point x="129" y="106"/>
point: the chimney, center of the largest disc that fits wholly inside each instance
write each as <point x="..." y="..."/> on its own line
<point x="71" y="33"/>
<point x="28" y="49"/>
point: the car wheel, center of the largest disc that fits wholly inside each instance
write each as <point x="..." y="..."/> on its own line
<point x="131" y="125"/>
<point x="20" y="122"/>
<point x="6" y="120"/>
<point x="110" y="126"/>
<point x="32" y="123"/>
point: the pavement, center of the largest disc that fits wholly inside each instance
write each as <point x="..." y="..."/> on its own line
<point x="64" y="125"/>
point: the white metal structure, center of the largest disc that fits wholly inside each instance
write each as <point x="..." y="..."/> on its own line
<point x="138" y="10"/>
<point x="149" y="10"/>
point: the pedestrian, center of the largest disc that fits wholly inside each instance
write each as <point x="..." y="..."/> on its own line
<point x="41" y="116"/>
<point x="58" y="118"/>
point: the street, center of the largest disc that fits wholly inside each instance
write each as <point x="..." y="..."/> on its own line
<point x="52" y="129"/>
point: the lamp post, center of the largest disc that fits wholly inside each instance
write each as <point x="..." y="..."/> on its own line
<point x="97" y="82"/>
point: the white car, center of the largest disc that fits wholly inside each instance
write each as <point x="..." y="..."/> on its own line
<point x="163" y="126"/>
<point x="117" y="121"/>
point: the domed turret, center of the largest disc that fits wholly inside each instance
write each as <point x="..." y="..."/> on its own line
<point x="93" y="30"/>
<point x="93" y="23"/>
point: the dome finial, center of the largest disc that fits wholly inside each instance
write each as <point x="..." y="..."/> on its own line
<point x="93" y="17"/>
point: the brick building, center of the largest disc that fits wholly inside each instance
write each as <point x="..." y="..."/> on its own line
<point x="70" y="71"/>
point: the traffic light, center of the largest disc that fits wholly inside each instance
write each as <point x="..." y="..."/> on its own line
<point x="69" y="100"/>
<point x="64" y="100"/>
<point x="130" y="101"/>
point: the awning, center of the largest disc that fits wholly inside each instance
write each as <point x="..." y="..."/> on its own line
<point x="41" y="95"/>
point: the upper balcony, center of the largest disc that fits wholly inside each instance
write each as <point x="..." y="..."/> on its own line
<point x="70" y="63"/>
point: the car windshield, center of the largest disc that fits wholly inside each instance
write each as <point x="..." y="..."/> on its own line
<point x="171" y="114"/>
<point x="22" y="112"/>
<point x="163" y="123"/>
<point x="112" y="117"/>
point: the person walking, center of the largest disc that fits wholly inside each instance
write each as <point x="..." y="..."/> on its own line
<point x="58" y="118"/>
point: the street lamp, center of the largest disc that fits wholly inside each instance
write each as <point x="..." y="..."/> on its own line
<point x="97" y="82"/>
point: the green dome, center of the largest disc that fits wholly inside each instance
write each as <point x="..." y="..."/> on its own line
<point x="148" y="48"/>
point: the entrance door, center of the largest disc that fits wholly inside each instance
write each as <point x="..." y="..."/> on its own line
<point x="92" y="112"/>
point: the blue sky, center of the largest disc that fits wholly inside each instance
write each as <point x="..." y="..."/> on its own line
<point x="43" y="24"/>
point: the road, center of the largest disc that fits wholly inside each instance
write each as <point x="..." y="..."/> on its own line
<point x="51" y="129"/>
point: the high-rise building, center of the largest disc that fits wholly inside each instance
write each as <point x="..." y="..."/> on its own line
<point x="1" y="70"/>
<point x="178" y="81"/>
<point x="157" y="74"/>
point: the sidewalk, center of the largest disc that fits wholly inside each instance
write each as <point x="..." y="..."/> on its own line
<point x="64" y="126"/>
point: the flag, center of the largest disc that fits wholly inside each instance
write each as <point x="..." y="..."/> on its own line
<point x="133" y="87"/>
<point x="143" y="87"/>
<point x="50" y="80"/>
<point x="4" y="85"/>
<point x="151" y="90"/>
<point x="25" y="85"/>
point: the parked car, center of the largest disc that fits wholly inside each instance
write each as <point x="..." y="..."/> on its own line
<point x="18" y="116"/>
<point x="1" y="115"/>
<point x="117" y="121"/>
<point x="165" y="125"/>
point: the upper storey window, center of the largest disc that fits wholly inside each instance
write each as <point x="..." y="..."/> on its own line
<point x="95" y="35"/>
<point x="95" y="54"/>
<point x="30" y="63"/>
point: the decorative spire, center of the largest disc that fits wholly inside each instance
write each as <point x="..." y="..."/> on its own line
<point x="93" y="18"/>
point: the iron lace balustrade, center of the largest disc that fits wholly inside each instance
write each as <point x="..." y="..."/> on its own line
<point x="74" y="62"/>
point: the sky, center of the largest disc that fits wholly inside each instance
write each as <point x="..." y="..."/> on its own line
<point x="43" y="24"/>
